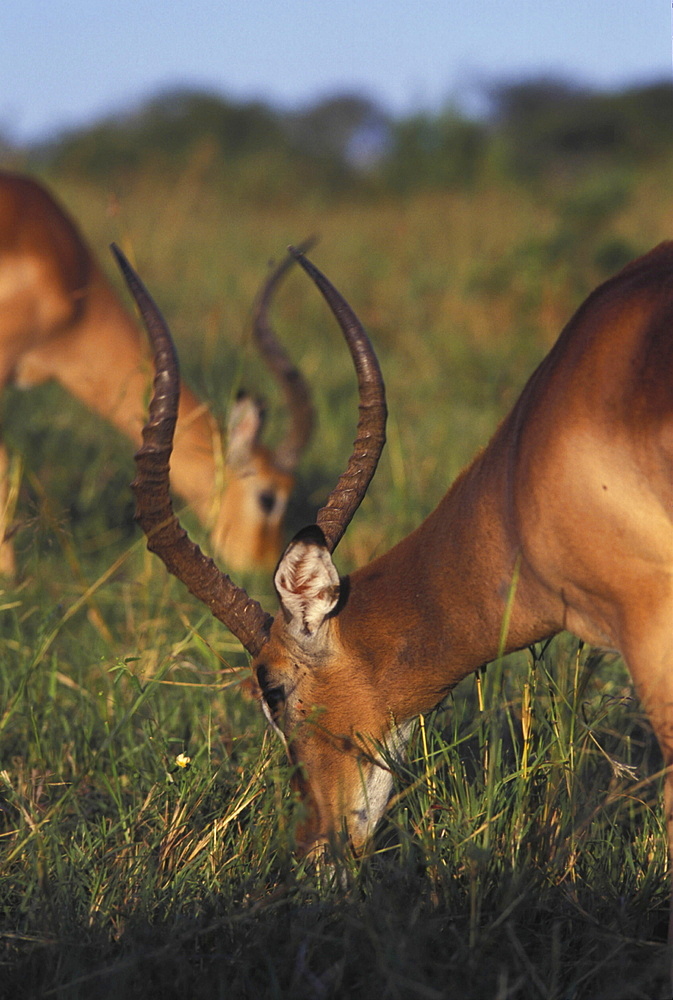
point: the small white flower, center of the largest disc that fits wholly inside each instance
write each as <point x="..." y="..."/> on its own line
<point x="182" y="760"/>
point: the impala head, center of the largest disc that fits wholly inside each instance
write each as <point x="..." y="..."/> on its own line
<point x="247" y="526"/>
<point x="300" y="664"/>
<point x="320" y="695"/>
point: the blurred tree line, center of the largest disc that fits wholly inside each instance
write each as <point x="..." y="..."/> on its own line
<point x="531" y="131"/>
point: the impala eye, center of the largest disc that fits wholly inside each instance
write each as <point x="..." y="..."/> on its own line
<point x="273" y="694"/>
<point x="267" y="500"/>
<point x="274" y="698"/>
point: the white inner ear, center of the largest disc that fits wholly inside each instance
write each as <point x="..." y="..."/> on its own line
<point x="243" y="429"/>
<point x="307" y="584"/>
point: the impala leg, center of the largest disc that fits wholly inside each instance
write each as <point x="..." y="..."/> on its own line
<point x="7" y="564"/>
<point x="651" y="666"/>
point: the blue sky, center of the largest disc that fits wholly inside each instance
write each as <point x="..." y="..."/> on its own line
<point x="64" y="62"/>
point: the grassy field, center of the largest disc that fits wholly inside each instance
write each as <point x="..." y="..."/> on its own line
<point x="523" y="854"/>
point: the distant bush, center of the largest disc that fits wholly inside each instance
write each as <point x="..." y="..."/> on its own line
<point x="547" y="125"/>
<point x="445" y="150"/>
<point x="536" y="130"/>
<point x="319" y="148"/>
<point x="164" y="134"/>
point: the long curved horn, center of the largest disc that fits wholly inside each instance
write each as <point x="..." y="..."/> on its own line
<point x="154" y="511"/>
<point x="340" y="506"/>
<point x="292" y="383"/>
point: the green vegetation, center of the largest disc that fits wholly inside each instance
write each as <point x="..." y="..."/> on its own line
<point x="528" y="130"/>
<point x="523" y="855"/>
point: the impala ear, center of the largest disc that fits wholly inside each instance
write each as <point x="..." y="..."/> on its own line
<point x="307" y="582"/>
<point x="244" y="427"/>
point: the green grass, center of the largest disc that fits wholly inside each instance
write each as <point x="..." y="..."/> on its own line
<point x="523" y="854"/>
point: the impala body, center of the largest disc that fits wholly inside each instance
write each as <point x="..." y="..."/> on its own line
<point x="570" y="505"/>
<point x="567" y="515"/>
<point x="60" y="319"/>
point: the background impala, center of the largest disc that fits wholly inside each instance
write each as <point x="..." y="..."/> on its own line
<point x="60" y="319"/>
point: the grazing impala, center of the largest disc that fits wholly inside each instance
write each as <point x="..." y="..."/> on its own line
<point x="60" y="319"/>
<point x="569" y="509"/>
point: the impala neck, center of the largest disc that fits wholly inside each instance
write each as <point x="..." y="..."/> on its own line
<point x="446" y="592"/>
<point x="108" y="369"/>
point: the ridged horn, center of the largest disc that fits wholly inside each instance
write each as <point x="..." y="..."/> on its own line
<point x="340" y="506"/>
<point x="295" y="389"/>
<point x="242" y="615"/>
